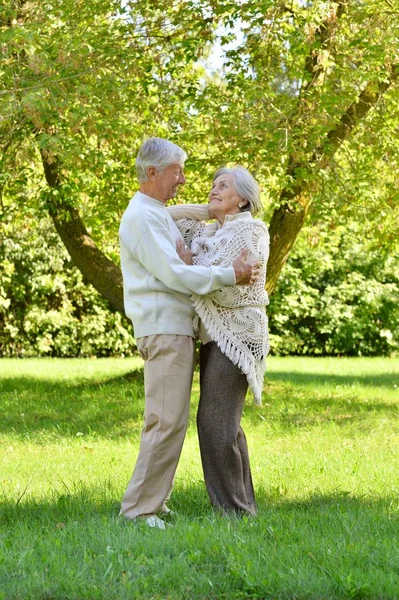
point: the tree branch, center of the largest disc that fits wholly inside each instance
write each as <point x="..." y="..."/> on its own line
<point x="324" y="34"/>
<point x="356" y="113"/>
<point x="315" y="70"/>
<point x="288" y="219"/>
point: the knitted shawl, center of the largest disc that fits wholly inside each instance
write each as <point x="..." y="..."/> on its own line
<point x="234" y="316"/>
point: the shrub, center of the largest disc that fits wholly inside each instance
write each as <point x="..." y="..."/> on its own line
<point x="336" y="296"/>
<point x="46" y="306"/>
<point x="339" y="297"/>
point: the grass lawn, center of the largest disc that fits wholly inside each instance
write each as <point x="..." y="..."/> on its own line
<point x="325" y="458"/>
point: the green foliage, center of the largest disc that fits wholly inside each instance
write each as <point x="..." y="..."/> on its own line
<point x="83" y="82"/>
<point x="293" y="72"/>
<point x="46" y="308"/>
<point x="337" y="295"/>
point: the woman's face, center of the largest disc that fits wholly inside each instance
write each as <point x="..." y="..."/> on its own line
<point x="223" y="197"/>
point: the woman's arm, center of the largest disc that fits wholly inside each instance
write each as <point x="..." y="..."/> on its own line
<point x="194" y="212"/>
<point x="189" y="219"/>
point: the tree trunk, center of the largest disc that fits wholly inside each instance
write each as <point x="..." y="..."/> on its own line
<point x="284" y="228"/>
<point x="99" y="270"/>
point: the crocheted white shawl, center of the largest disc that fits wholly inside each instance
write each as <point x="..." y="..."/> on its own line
<point x="234" y="316"/>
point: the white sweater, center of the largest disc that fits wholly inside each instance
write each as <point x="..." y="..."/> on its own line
<point x="157" y="284"/>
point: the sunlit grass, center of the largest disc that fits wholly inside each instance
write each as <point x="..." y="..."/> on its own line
<point x="324" y="453"/>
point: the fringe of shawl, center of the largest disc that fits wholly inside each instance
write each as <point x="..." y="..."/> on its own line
<point x="245" y="362"/>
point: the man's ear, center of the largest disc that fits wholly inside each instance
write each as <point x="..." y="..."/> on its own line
<point x="151" y="173"/>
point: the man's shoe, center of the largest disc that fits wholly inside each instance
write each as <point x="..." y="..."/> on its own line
<point x="154" y="521"/>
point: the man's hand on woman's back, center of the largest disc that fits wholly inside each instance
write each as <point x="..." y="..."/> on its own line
<point x="246" y="272"/>
<point x="185" y="253"/>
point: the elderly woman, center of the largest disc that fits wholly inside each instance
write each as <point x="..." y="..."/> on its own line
<point x="232" y="329"/>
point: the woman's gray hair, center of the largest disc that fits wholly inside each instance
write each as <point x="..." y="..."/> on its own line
<point x="246" y="186"/>
<point x="158" y="153"/>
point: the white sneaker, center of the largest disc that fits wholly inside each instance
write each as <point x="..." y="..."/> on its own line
<point x="154" y="521"/>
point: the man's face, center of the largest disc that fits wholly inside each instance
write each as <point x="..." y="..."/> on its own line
<point x="168" y="180"/>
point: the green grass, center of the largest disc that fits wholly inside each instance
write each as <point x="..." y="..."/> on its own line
<point x="325" y="459"/>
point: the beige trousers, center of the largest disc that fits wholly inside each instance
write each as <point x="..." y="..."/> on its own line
<point x="168" y="375"/>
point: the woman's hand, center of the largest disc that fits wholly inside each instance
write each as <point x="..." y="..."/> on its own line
<point x="211" y="215"/>
<point x="185" y="253"/>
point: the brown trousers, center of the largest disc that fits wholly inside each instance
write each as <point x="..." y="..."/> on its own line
<point x="224" y="451"/>
<point x="168" y="374"/>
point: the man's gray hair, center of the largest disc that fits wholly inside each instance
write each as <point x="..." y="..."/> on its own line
<point x="158" y="153"/>
<point x="246" y="186"/>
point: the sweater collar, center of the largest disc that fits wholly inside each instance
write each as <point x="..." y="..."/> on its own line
<point x="148" y="200"/>
<point x="241" y="216"/>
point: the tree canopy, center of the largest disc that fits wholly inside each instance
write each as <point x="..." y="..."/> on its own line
<point x="307" y="99"/>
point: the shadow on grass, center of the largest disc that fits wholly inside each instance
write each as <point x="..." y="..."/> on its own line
<point x="104" y="407"/>
<point x="113" y="407"/>
<point x="288" y="406"/>
<point x="79" y="503"/>
<point x="386" y="380"/>
<point x="190" y="503"/>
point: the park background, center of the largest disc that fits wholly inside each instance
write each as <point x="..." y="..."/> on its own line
<point x="306" y="96"/>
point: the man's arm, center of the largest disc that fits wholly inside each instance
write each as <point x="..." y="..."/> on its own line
<point x="156" y="252"/>
<point x="245" y="272"/>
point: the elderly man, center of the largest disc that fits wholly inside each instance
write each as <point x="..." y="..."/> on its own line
<point x="157" y="288"/>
